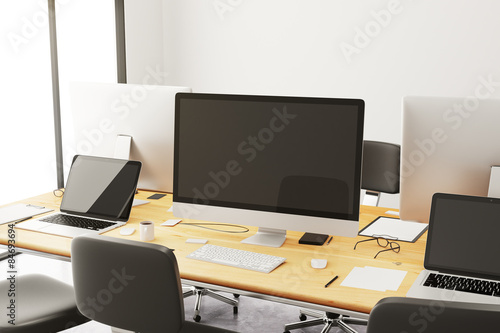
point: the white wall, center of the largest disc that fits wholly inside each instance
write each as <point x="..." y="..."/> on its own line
<point x="144" y="39"/>
<point x="376" y="50"/>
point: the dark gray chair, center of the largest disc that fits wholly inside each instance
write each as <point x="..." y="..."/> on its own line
<point x="42" y="304"/>
<point x="380" y="170"/>
<point x="130" y="285"/>
<point x="411" y="315"/>
<point x="380" y="173"/>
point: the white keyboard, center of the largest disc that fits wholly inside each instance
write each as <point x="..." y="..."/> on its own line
<point x="254" y="261"/>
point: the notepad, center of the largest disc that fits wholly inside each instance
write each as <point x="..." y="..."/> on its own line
<point x="393" y="228"/>
<point x="17" y="212"/>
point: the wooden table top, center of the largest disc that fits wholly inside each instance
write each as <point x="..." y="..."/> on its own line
<point x="295" y="279"/>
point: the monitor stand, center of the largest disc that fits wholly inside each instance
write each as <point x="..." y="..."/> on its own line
<point x="123" y="144"/>
<point x="494" y="187"/>
<point x="267" y="237"/>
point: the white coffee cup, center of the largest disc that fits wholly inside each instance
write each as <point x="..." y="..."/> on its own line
<point x="147" y="231"/>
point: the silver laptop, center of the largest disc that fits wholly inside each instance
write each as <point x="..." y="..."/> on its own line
<point x="462" y="251"/>
<point x="98" y="197"/>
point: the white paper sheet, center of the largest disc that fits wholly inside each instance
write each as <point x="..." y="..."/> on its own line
<point x="392" y="277"/>
<point x="374" y="278"/>
<point x="171" y="223"/>
<point x="358" y="278"/>
<point x="138" y="202"/>
<point x="392" y="212"/>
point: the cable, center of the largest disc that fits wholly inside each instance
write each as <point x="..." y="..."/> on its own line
<point x="202" y="225"/>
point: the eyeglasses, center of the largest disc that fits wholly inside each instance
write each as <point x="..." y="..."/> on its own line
<point x="384" y="241"/>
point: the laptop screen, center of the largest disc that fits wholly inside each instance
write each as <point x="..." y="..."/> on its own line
<point x="464" y="236"/>
<point x="101" y="187"/>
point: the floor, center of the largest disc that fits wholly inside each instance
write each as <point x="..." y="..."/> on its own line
<point x="254" y="315"/>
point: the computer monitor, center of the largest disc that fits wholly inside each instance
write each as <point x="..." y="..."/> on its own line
<point x="128" y="121"/>
<point x="277" y="163"/>
<point x="449" y="145"/>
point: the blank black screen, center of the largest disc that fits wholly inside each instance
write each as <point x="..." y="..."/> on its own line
<point x="463" y="235"/>
<point x="101" y="187"/>
<point x="293" y="155"/>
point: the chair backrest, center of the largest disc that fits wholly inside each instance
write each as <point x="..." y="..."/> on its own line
<point x="381" y="162"/>
<point x="402" y="314"/>
<point x="127" y="284"/>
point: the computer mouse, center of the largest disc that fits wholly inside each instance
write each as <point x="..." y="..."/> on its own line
<point x="318" y="263"/>
<point x="127" y="231"/>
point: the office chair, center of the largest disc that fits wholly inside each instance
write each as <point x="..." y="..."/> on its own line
<point x="42" y="304"/>
<point x="380" y="173"/>
<point x="411" y="315"/>
<point x="380" y="170"/>
<point x="130" y="285"/>
<point x="199" y="292"/>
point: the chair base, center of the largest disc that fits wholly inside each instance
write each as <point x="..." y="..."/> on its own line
<point x="199" y="292"/>
<point x="327" y="319"/>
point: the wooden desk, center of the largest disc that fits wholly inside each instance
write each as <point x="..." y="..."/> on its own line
<point x="294" y="282"/>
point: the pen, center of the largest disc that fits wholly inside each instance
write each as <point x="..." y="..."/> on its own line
<point x="329" y="240"/>
<point x="331" y="281"/>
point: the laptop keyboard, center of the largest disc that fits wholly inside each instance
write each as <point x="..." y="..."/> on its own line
<point x="458" y="283"/>
<point x="79" y="222"/>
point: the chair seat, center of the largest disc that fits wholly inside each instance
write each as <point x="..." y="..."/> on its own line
<point x="42" y="304"/>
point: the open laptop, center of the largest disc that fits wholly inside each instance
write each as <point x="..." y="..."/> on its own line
<point x="461" y="256"/>
<point x="98" y="197"/>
